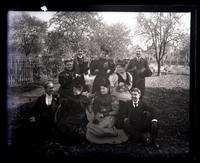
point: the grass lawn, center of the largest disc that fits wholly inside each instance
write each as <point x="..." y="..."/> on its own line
<point x="169" y="95"/>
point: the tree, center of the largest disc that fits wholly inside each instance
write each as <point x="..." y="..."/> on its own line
<point x="74" y="27"/>
<point x="185" y="49"/>
<point x="28" y="34"/>
<point x="114" y="39"/>
<point x="159" y="30"/>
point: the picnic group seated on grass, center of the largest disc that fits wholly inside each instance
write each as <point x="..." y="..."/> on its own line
<point x="98" y="103"/>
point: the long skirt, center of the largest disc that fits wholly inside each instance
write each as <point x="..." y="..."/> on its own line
<point x="105" y="132"/>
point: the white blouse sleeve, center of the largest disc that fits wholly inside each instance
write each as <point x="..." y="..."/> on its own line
<point x="130" y="81"/>
<point x="113" y="80"/>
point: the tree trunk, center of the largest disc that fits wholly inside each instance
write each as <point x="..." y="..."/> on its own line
<point x="158" y="63"/>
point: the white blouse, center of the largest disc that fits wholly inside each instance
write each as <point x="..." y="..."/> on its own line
<point x="114" y="79"/>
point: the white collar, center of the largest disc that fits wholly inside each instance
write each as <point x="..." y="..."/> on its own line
<point x="48" y="96"/>
<point x="135" y="103"/>
<point x="48" y="99"/>
<point x="138" y="58"/>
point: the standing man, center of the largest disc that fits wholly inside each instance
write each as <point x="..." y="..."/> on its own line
<point x="139" y="69"/>
<point x="80" y="66"/>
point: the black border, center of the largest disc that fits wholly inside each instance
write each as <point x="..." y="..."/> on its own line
<point x="126" y="6"/>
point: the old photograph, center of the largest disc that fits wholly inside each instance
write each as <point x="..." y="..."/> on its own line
<point x="98" y="84"/>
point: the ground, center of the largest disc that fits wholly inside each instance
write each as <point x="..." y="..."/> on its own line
<point x="168" y="94"/>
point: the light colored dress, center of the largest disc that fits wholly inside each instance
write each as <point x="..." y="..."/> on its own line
<point x="121" y="83"/>
<point x="101" y="128"/>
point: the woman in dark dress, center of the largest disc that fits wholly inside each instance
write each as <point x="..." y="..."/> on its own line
<point x="71" y="118"/>
<point x="102" y="68"/>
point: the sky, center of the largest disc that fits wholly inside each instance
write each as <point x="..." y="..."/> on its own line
<point x="127" y="18"/>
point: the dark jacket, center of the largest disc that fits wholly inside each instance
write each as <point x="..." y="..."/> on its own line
<point x="139" y="70"/>
<point x="80" y="66"/>
<point x="67" y="80"/>
<point x="139" y="117"/>
<point x="102" y="65"/>
<point x="44" y="117"/>
<point x="44" y="114"/>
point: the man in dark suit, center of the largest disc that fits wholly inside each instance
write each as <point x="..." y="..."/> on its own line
<point x="138" y="120"/>
<point x="80" y="65"/>
<point x="139" y="69"/>
<point x="42" y="114"/>
<point x="34" y="124"/>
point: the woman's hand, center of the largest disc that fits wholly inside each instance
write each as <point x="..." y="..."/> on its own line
<point x="126" y="120"/>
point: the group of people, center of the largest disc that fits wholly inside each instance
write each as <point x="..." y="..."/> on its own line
<point x="108" y="110"/>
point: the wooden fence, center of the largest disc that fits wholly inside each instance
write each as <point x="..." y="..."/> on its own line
<point x="22" y="72"/>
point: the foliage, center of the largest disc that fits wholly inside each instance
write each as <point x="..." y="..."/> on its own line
<point x="159" y="30"/>
<point x="74" y="28"/>
<point x="28" y="33"/>
<point x="85" y="31"/>
<point x="114" y="38"/>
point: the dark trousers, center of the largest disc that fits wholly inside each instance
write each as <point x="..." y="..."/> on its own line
<point x="151" y="129"/>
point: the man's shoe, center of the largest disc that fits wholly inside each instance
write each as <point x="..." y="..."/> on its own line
<point x="155" y="144"/>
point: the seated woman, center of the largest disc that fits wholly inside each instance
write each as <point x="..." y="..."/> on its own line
<point x="71" y="118"/>
<point x="101" y="129"/>
<point x="121" y="82"/>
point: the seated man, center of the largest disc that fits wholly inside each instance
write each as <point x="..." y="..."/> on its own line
<point x="33" y="124"/>
<point x="41" y="116"/>
<point x="138" y="120"/>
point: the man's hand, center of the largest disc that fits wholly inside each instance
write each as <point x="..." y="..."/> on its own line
<point x="108" y="71"/>
<point x="146" y="114"/>
<point x="32" y="120"/>
<point x="126" y="120"/>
